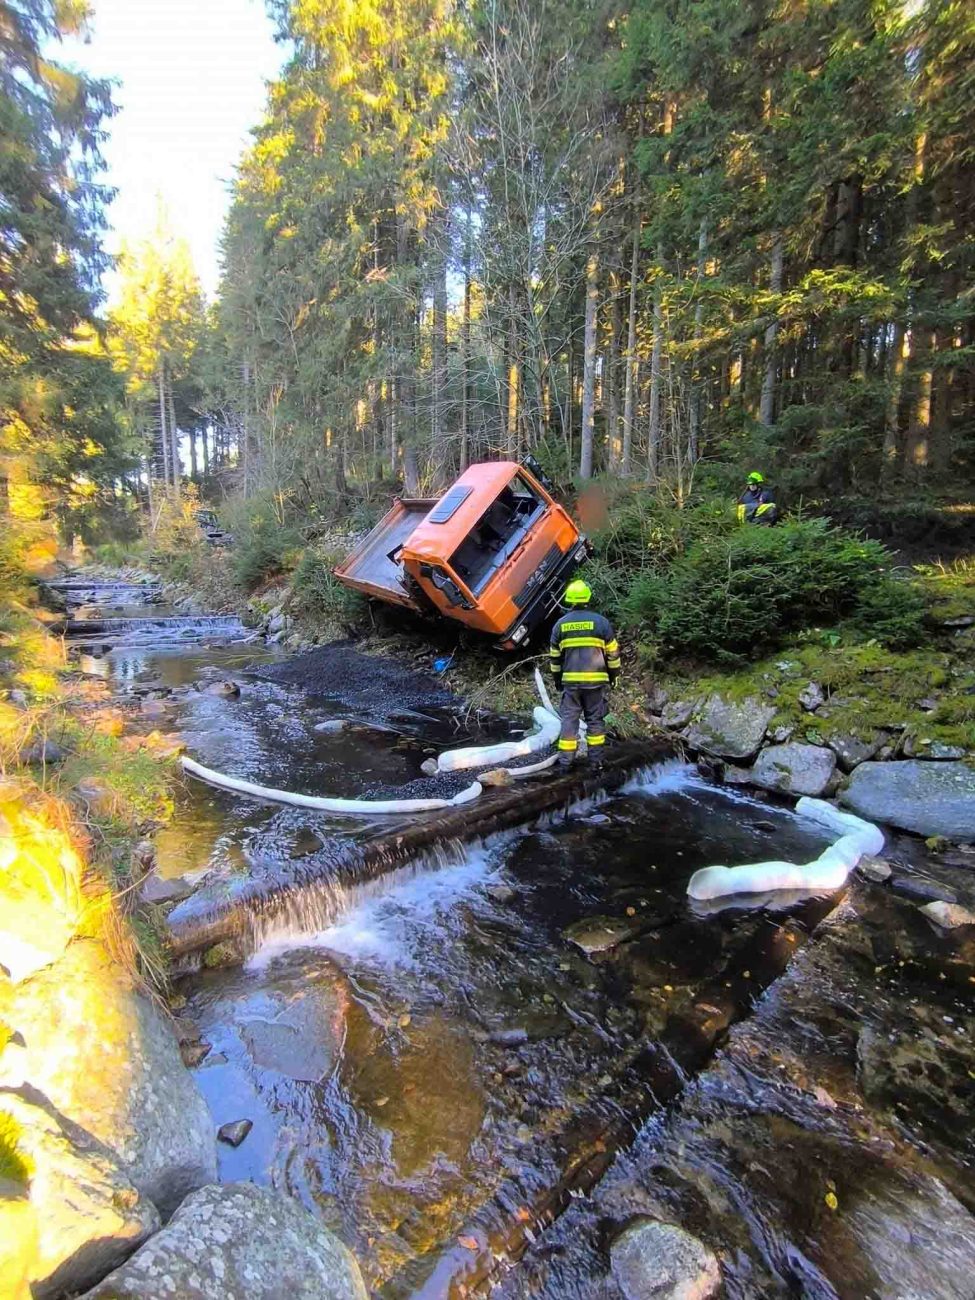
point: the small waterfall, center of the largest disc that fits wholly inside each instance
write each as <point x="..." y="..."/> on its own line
<point x="165" y="625"/>
<point x="298" y="915"/>
<point x="653" y="778"/>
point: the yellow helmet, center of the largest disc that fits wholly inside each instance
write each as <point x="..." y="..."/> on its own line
<point x="577" y="593"/>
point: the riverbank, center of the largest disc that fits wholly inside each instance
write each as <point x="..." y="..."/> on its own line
<point x="103" y="1132"/>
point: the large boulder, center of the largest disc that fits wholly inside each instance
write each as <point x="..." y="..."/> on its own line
<point x="927" y="798"/>
<point x="106" y="1058"/>
<point x="729" y="729"/>
<point x="794" y="769"/>
<point x="656" y="1259"/>
<point x="238" y="1242"/>
<point x="89" y="1217"/>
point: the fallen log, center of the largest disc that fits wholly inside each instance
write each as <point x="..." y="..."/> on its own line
<point x="200" y="922"/>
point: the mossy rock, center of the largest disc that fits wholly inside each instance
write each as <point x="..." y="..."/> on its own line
<point x="220" y="955"/>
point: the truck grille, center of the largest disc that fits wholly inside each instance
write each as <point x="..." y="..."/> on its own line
<point x="537" y="579"/>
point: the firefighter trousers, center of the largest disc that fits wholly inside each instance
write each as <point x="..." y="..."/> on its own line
<point x="590" y="702"/>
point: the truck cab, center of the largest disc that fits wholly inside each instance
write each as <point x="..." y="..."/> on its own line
<point x="494" y="552"/>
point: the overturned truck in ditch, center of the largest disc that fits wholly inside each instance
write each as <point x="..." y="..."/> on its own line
<point x="495" y="552"/>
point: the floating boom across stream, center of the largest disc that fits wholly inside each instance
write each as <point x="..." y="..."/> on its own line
<point x="456" y="760"/>
<point x="858" y="839"/>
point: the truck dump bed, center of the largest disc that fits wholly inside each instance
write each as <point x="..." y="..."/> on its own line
<point x="370" y="568"/>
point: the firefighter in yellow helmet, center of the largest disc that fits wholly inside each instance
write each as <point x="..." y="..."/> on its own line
<point x="585" y="659"/>
<point x="756" y="505"/>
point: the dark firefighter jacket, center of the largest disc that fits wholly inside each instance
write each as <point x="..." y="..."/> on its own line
<point x="756" y="505"/>
<point x="584" y="651"/>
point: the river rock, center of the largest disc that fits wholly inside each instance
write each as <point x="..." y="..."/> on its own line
<point x="235" y="1132"/>
<point x="18" y="1241"/>
<point x="108" y="1060"/>
<point x="662" y="1261"/>
<point x="677" y="714"/>
<point x="927" y="798"/>
<point x="795" y="769"/>
<point x="89" y="1217"/>
<point x="43" y="753"/>
<point x="223" y="690"/>
<point x="162" y="889"/>
<point x="922" y="887"/>
<point x="915" y="1237"/>
<point x="730" y="730"/>
<point x="874" y="869"/>
<point x="300" y="1047"/>
<point x="852" y="750"/>
<point x="811" y="697"/>
<point x="657" y="699"/>
<point x="949" y="916"/>
<point x="598" y="933"/>
<point x="933" y="750"/>
<point x="331" y="726"/>
<point x="498" y="777"/>
<point x="238" y="1242"/>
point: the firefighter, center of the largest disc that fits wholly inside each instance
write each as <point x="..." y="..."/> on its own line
<point x="585" y="660"/>
<point x="756" y="505"/>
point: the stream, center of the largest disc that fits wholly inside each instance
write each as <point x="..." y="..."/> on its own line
<point x="493" y="1058"/>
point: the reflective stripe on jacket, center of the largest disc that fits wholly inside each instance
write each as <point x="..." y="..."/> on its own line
<point x="584" y="650"/>
<point x="757" y="505"/>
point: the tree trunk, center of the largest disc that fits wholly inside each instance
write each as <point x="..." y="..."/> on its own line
<point x="891" y="447"/>
<point x="465" y="352"/>
<point x="513" y="378"/>
<point x="393" y="388"/>
<point x="697" y="388"/>
<point x="613" y="374"/>
<point x="766" y="410"/>
<point x="631" y="361"/>
<point x="245" y="432"/>
<point x="163" y="429"/>
<point x="656" y="373"/>
<point x="589" y="368"/>
<point x="438" y="354"/>
<point x="174" y="433"/>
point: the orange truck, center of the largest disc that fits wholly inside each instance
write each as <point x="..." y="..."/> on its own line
<point x="494" y="552"/>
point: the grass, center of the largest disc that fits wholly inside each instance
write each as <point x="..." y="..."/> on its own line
<point x="106" y="794"/>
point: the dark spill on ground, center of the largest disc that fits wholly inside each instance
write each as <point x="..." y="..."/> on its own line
<point x="428" y="1053"/>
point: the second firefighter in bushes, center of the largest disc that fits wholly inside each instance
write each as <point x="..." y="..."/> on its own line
<point x="585" y="659"/>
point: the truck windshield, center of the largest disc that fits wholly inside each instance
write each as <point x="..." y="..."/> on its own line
<point x="497" y="534"/>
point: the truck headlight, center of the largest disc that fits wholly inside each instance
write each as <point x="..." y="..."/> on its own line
<point x="519" y="634"/>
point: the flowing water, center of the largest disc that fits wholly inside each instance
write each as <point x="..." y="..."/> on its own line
<point x="541" y="1028"/>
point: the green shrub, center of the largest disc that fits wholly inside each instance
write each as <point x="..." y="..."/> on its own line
<point x="263" y="544"/>
<point x="318" y="594"/>
<point x="734" y="595"/>
<point x="892" y="612"/>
